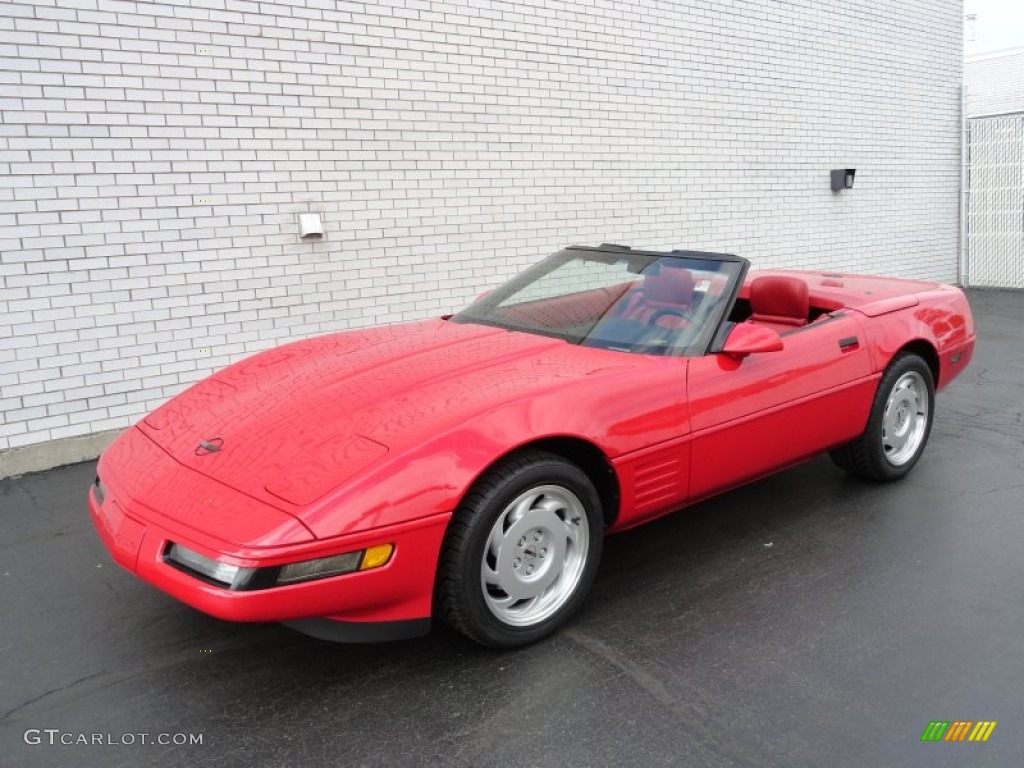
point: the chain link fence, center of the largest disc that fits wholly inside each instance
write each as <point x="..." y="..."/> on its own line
<point x="994" y="227"/>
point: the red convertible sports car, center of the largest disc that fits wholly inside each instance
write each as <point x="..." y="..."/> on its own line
<point x="354" y="485"/>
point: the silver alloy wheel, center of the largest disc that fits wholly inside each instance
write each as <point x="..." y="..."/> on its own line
<point x="905" y="419"/>
<point x="535" y="555"/>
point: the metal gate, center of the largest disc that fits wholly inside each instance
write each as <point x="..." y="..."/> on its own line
<point x="994" y="183"/>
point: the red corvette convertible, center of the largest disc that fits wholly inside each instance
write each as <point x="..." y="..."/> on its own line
<point x="354" y="485"/>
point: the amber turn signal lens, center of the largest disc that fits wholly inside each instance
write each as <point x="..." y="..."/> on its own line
<point x="377" y="556"/>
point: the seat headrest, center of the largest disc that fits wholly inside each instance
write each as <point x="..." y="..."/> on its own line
<point x="669" y="285"/>
<point x="780" y="299"/>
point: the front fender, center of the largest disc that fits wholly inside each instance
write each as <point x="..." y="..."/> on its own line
<point x="617" y="411"/>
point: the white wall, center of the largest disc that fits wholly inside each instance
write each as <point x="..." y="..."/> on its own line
<point x="155" y="156"/>
<point x="994" y="82"/>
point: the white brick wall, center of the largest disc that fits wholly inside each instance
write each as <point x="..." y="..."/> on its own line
<point x="994" y="82"/>
<point x="155" y="156"/>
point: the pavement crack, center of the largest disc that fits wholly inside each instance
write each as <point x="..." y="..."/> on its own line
<point x="41" y="696"/>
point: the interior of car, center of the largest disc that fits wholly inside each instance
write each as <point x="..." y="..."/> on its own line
<point x="662" y="309"/>
<point x="779" y="302"/>
<point x="665" y="297"/>
<point x="668" y="299"/>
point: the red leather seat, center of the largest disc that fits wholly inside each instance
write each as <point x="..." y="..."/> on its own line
<point x="781" y="303"/>
<point x="667" y="288"/>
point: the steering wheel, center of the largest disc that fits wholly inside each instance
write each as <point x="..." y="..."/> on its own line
<point x="653" y="319"/>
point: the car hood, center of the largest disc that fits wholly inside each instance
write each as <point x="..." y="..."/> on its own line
<point x="288" y="425"/>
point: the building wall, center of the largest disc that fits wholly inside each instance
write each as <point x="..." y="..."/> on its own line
<point x="994" y="83"/>
<point x="156" y="156"/>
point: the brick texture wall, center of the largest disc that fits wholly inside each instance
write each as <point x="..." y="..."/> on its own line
<point x="154" y="158"/>
<point x="995" y="83"/>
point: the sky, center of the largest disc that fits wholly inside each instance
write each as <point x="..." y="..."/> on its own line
<point x="1000" y="24"/>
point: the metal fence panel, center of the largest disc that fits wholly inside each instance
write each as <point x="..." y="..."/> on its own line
<point x="995" y="202"/>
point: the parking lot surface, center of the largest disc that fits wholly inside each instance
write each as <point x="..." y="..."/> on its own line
<point x="806" y="619"/>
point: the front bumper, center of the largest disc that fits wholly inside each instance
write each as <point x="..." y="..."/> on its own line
<point x="393" y="595"/>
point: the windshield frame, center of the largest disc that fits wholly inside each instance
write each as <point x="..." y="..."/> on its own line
<point x="712" y="334"/>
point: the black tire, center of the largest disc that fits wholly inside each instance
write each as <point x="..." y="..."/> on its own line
<point x="871" y="455"/>
<point x="460" y="591"/>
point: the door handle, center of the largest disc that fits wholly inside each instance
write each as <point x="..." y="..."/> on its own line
<point x="850" y="342"/>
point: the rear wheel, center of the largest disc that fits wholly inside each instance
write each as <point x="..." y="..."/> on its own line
<point x="521" y="551"/>
<point x="899" y="424"/>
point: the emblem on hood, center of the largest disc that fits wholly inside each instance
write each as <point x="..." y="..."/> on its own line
<point x="209" y="446"/>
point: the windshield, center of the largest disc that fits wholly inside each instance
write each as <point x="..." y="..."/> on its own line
<point x="642" y="303"/>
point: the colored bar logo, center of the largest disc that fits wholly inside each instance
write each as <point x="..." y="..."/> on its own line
<point x="958" y="730"/>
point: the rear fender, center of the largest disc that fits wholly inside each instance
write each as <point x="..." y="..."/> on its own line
<point x="941" y="318"/>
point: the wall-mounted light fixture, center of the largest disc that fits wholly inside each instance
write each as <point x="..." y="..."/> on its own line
<point x="310" y="226"/>
<point x="842" y="178"/>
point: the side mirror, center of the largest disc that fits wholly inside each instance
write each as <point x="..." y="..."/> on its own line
<point x="747" y="339"/>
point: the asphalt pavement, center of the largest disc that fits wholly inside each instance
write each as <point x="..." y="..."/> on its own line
<point x="809" y="619"/>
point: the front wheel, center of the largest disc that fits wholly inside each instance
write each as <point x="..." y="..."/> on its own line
<point x="521" y="551"/>
<point x="898" y="426"/>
